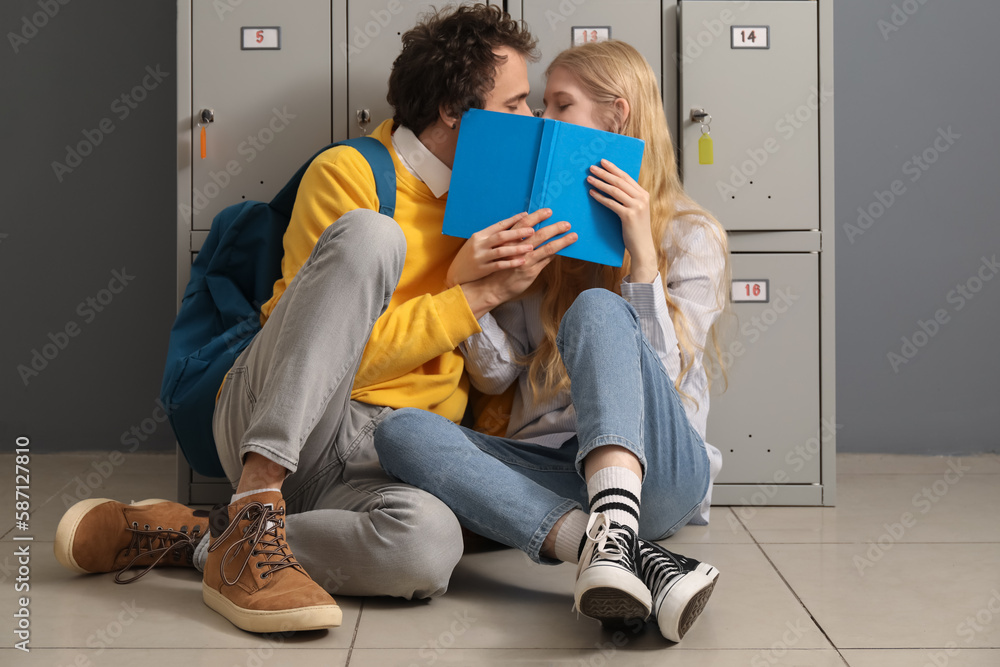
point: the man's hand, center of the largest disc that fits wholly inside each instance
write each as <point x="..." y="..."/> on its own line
<point x="499" y="287"/>
<point x="500" y="246"/>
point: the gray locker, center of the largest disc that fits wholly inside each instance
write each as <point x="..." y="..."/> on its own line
<point x="764" y="104"/>
<point x="763" y="71"/>
<point x="364" y="54"/>
<point x="271" y="102"/>
<point x="557" y="23"/>
<point x="773" y="404"/>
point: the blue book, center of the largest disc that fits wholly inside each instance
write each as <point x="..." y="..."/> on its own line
<point x="507" y="164"/>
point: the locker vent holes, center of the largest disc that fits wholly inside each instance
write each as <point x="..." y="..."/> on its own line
<point x="751" y="183"/>
<point x="244" y="196"/>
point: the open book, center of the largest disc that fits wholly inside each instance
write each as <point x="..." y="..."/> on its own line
<point x="506" y="164"/>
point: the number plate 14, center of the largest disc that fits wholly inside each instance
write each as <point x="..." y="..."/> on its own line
<point x="750" y="37"/>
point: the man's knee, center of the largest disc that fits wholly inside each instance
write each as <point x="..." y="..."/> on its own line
<point x="373" y="239"/>
<point x="432" y="545"/>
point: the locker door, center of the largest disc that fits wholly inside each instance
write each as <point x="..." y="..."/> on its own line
<point x="772" y="408"/>
<point x="373" y="40"/>
<point x="764" y="104"/>
<point x="555" y="22"/>
<point x="272" y="106"/>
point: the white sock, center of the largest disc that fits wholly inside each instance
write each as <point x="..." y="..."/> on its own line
<point x="201" y="554"/>
<point x="616" y="492"/>
<point x="201" y="550"/>
<point x="570" y="536"/>
<point x="240" y="496"/>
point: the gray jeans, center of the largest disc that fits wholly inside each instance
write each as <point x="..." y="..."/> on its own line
<point x="288" y="398"/>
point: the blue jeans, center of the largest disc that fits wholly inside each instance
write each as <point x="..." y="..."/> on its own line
<point x="514" y="492"/>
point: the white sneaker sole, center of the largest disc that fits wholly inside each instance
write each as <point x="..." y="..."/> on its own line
<point x="284" y="620"/>
<point x="684" y="601"/>
<point x="70" y="522"/>
<point x="611" y="595"/>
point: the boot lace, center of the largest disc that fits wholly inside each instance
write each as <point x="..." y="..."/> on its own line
<point x="261" y="538"/>
<point x="159" y="542"/>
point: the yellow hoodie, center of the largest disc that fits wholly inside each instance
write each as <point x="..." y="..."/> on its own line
<point x="410" y="359"/>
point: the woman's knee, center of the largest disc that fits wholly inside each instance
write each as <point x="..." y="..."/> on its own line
<point x="598" y="306"/>
<point x="396" y="434"/>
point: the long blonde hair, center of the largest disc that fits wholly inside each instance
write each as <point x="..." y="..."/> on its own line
<point x="607" y="71"/>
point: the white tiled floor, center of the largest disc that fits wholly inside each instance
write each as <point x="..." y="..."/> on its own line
<point x="905" y="571"/>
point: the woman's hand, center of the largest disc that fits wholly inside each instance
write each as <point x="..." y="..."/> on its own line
<point x="498" y="247"/>
<point x="622" y="194"/>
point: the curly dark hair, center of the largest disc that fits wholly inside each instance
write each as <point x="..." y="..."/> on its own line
<point x="448" y="59"/>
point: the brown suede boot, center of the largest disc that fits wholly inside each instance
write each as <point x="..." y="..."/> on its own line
<point x="251" y="576"/>
<point x="101" y="535"/>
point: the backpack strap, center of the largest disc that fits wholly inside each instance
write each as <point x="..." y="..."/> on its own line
<point x="379" y="160"/>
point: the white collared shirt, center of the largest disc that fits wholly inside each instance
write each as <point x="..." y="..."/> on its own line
<point x="420" y="162"/>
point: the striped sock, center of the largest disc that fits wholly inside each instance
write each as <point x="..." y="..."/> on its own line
<point x="616" y="492"/>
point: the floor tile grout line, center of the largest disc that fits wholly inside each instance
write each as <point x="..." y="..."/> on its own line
<point x="790" y="589"/>
<point x="354" y="638"/>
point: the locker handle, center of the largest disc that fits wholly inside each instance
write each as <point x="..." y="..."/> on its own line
<point x="207" y="116"/>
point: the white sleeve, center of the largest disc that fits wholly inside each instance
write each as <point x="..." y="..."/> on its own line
<point x="654" y="320"/>
<point x="491" y="357"/>
<point x="694" y="279"/>
<point x="694" y="272"/>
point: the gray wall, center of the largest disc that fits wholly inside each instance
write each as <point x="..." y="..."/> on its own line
<point x="64" y="239"/>
<point x="895" y="89"/>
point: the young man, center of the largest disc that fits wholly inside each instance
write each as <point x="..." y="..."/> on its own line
<point x="360" y="323"/>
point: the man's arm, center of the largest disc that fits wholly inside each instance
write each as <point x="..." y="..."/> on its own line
<point x="425" y="327"/>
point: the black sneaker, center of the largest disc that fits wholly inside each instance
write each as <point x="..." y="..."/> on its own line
<point x="608" y="585"/>
<point x="680" y="587"/>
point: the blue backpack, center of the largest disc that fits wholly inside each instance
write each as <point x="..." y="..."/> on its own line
<point x="232" y="277"/>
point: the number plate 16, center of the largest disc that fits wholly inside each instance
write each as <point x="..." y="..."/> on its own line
<point x="750" y="291"/>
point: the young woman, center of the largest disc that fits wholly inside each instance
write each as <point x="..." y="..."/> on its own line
<point x="608" y="364"/>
